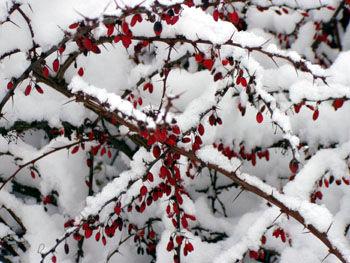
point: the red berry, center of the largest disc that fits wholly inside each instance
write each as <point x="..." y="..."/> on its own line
<point x="10" y="85"/>
<point x="61" y="49"/>
<point x="297" y="107"/>
<point x="73" y="26"/>
<point x="337" y="103"/>
<point x="156" y="151"/>
<point x="39" y="89"/>
<point x="234" y="18"/>
<point x="315" y="115"/>
<point x="117" y="209"/>
<point x="200" y="129"/>
<point x="243" y="82"/>
<point x="259" y="117"/>
<point x="77" y="236"/>
<point x="75" y="149"/>
<point x="198" y="57"/>
<point x="148" y="86"/>
<point x="208" y="63"/>
<point x="56" y="65"/>
<point x="126" y="41"/>
<point x="253" y="254"/>
<point x="27" y="90"/>
<point x="216" y="15"/>
<point x="81" y="72"/>
<point x="157" y="27"/>
<point x="125" y="28"/>
<point x="319" y="195"/>
<point x="179" y="239"/>
<point x="143" y="190"/>
<point x="87" y="43"/>
<point x="136" y="18"/>
<point x="293" y="166"/>
<point x="97" y="236"/>
<point x="104" y="241"/>
<point x="88" y="232"/>
<point x="170" y="245"/>
<point x="150" y="177"/>
<point x="326" y="183"/>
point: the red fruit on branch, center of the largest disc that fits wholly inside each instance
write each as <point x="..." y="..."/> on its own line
<point x="73" y="26"/>
<point x="77" y="236"/>
<point x="61" y="49"/>
<point x="184" y="222"/>
<point x="315" y="115"/>
<point x="189" y="247"/>
<point x="125" y="28"/>
<point x="259" y="117"/>
<point x="136" y="18"/>
<point x="234" y="18"/>
<point x="176" y="130"/>
<point x="157" y="28"/>
<point x="104" y="241"/>
<point x="170" y="245"/>
<point x="81" y="72"/>
<point x="103" y="151"/>
<point x="117" y="209"/>
<point x="56" y="65"/>
<point x="148" y="86"/>
<point x="179" y="240"/>
<point x="293" y="166"/>
<point x="297" y="107"/>
<point x="143" y="190"/>
<point x="200" y="129"/>
<point x="253" y="254"/>
<point x="126" y="41"/>
<point x="27" y="90"/>
<point x="39" y="89"/>
<point x="198" y="57"/>
<point x="337" y="103"/>
<point x="110" y="29"/>
<point x="150" y="177"/>
<point x="217" y="76"/>
<point x="216" y="15"/>
<point x="88" y="232"/>
<point x="75" y="149"/>
<point x="10" y="85"/>
<point x="326" y="183"/>
<point x="87" y="43"/>
<point x="97" y="236"/>
<point x="208" y="63"/>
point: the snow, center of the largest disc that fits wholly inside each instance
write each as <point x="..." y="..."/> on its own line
<point x="116" y="102"/>
<point x="322" y="146"/>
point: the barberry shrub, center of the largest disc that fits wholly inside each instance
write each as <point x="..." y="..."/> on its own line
<point x="174" y="131"/>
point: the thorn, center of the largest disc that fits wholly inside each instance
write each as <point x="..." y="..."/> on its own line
<point x="267" y="41"/>
<point x="14" y="23"/>
<point x="325" y="257"/>
<point x="274" y="61"/>
<point x="273" y="222"/>
<point x="329" y="227"/>
<point x="238" y="195"/>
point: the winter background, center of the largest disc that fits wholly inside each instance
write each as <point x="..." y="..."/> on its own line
<point x="174" y="131"/>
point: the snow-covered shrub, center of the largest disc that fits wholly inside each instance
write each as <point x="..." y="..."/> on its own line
<point x="174" y="131"/>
